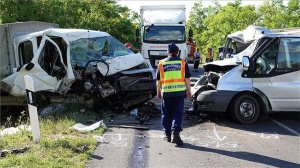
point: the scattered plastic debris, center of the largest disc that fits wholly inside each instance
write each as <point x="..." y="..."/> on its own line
<point x="100" y="139"/>
<point x="13" y="130"/>
<point x="86" y="128"/>
<point x="134" y="112"/>
<point x="3" y="153"/>
<point x="51" y="109"/>
<point x="129" y="126"/>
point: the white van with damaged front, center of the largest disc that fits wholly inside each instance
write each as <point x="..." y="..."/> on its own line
<point x="263" y="78"/>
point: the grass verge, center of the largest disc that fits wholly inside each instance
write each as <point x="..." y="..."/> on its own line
<point x="59" y="145"/>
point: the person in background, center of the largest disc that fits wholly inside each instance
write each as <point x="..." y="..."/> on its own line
<point x="128" y="45"/>
<point x="197" y="57"/>
<point x="173" y="85"/>
<point x="210" y="54"/>
<point x="220" y="57"/>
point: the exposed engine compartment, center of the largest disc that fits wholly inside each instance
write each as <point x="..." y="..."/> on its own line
<point x="209" y="80"/>
<point x="118" y="91"/>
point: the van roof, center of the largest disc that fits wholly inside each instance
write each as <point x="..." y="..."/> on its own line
<point x="67" y="34"/>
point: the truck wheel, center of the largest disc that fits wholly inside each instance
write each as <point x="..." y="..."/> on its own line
<point x="245" y="109"/>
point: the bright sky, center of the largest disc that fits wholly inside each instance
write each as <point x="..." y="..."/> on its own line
<point x="135" y="4"/>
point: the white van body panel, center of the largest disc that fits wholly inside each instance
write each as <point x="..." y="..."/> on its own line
<point x="283" y="91"/>
<point x="234" y="81"/>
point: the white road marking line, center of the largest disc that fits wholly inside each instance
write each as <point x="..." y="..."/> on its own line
<point x="286" y="127"/>
<point x="217" y="135"/>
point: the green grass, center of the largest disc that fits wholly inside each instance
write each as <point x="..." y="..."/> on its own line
<point x="59" y="146"/>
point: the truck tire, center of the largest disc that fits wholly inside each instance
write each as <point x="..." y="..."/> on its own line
<point x="245" y="109"/>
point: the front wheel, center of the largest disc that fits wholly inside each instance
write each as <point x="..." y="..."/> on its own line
<point x="245" y="109"/>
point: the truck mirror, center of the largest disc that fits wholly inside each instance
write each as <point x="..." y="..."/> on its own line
<point x="137" y="39"/>
<point x="191" y="33"/>
<point x="147" y="29"/>
<point x="245" y="63"/>
<point x="137" y="32"/>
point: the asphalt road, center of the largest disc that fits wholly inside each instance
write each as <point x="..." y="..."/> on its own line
<point x="216" y="142"/>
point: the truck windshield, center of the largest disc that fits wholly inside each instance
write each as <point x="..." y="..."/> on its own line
<point x="99" y="48"/>
<point x="164" y="34"/>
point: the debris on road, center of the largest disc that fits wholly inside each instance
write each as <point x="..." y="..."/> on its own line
<point x="129" y="126"/>
<point x="3" y="153"/>
<point x="86" y="128"/>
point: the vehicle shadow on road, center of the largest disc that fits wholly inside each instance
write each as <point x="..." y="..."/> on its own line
<point x="253" y="157"/>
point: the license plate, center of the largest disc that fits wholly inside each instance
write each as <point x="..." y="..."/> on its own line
<point x="158" y="52"/>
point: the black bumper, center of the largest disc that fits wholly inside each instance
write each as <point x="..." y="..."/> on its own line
<point x="214" y="100"/>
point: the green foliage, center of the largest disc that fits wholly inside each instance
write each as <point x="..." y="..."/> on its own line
<point x="212" y="24"/>
<point x="103" y="15"/>
<point x="59" y="145"/>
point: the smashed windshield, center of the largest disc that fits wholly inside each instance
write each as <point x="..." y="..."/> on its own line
<point x="99" y="48"/>
<point x="247" y="52"/>
<point x="164" y="34"/>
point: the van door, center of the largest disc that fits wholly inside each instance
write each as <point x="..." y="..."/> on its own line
<point x="47" y="69"/>
<point x="277" y="74"/>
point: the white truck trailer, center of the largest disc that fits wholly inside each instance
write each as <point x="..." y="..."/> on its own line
<point x="71" y="66"/>
<point x="159" y="26"/>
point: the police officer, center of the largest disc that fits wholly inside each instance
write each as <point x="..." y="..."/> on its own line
<point x="173" y="84"/>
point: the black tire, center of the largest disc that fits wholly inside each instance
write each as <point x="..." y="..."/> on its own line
<point x="245" y="109"/>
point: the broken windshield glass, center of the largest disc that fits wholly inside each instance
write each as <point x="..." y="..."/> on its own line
<point x="91" y="49"/>
<point x="247" y="52"/>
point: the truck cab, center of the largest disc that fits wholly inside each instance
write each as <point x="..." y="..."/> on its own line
<point x="264" y="78"/>
<point x="161" y="25"/>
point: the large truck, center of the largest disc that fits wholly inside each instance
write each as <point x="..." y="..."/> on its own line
<point x="263" y="78"/>
<point x="71" y="66"/>
<point x="159" y="26"/>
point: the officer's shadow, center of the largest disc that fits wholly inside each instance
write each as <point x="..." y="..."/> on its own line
<point x="253" y="157"/>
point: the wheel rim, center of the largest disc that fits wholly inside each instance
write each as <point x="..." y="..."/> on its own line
<point x="247" y="109"/>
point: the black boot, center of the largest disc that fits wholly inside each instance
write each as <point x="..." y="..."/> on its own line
<point x="167" y="138"/>
<point x="177" y="139"/>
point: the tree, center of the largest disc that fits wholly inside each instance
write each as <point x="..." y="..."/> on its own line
<point x="103" y="15"/>
<point x="197" y="16"/>
<point x="214" y="23"/>
<point x="274" y="14"/>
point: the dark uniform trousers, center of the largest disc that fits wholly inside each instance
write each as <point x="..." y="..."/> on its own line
<point x="172" y="114"/>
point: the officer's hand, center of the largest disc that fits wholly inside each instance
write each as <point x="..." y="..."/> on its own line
<point x="188" y="94"/>
<point x="158" y="94"/>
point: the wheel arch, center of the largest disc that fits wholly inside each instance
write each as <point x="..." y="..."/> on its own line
<point x="261" y="99"/>
<point x="264" y="103"/>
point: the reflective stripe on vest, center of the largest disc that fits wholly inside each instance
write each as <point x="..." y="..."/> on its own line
<point x="172" y="75"/>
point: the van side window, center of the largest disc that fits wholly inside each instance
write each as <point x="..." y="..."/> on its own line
<point x="267" y="60"/>
<point x="289" y="53"/>
<point x="25" y="52"/>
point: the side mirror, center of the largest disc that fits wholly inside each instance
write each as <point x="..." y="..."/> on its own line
<point x="137" y="32"/>
<point x="245" y="63"/>
<point x="191" y="33"/>
<point x="147" y="29"/>
<point x="137" y="39"/>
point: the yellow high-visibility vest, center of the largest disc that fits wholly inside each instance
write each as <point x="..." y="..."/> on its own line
<point x="172" y="74"/>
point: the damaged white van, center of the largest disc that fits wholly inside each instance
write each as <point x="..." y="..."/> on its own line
<point x="263" y="78"/>
<point x="71" y="66"/>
